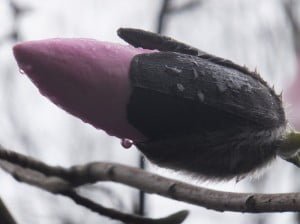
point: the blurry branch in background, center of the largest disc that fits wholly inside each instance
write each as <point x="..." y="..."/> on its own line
<point x="17" y="13"/>
<point x="192" y="4"/>
<point x="161" y="16"/>
<point x="63" y="181"/>
<point x="106" y="192"/>
<point x="290" y="7"/>
<point x="14" y="36"/>
<point x="290" y="10"/>
<point x="166" y="8"/>
<point x="5" y="215"/>
<point x="159" y="28"/>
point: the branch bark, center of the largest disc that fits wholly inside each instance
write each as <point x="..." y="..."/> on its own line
<point x="56" y="180"/>
<point x="5" y="215"/>
<point x="152" y="183"/>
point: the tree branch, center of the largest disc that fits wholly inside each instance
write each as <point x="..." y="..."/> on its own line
<point x="289" y="7"/>
<point x="185" y="7"/>
<point x="28" y="170"/>
<point x="152" y="183"/>
<point x="162" y="14"/>
<point x="5" y="215"/>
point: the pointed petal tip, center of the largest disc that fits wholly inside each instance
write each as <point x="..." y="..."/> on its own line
<point x="26" y="54"/>
<point x="20" y="52"/>
<point x="81" y="76"/>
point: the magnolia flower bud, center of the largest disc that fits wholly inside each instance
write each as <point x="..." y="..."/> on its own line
<point x="183" y="108"/>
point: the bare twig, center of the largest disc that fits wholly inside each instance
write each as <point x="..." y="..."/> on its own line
<point x="17" y="13"/>
<point x="289" y="7"/>
<point x="167" y="8"/>
<point x="159" y="28"/>
<point x="23" y="171"/>
<point x="162" y="14"/>
<point x="152" y="183"/>
<point x="106" y="191"/>
<point x="172" y="219"/>
<point x="5" y="215"/>
<point x="185" y="7"/>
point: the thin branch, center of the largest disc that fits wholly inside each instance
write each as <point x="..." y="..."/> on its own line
<point x="107" y="192"/>
<point x="17" y="13"/>
<point x="57" y="185"/>
<point x="5" y="215"/>
<point x="185" y="7"/>
<point x="167" y="8"/>
<point x="289" y="7"/>
<point x="162" y="14"/>
<point x="152" y="183"/>
<point x="172" y="219"/>
<point x="142" y="196"/>
<point x="160" y="27"/>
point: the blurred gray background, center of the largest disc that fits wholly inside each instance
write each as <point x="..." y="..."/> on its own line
<point x="262" y="34"/>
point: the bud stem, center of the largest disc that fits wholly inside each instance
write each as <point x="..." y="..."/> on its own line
<point x="290" y="149"/>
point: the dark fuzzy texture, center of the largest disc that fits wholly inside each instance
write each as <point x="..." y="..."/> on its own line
<point x="214" y="155"/>
<point x="204" y="115"/>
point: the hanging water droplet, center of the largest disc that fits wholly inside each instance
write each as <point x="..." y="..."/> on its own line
<point x="221" y="87"/>
<point x="25" y="69"/>
<point x="195" y="73"/>
<point x="200" y="95"/>
<point x="21" y="71"/>
<point x="126" y="143"/>
<point x="180" y="87"/>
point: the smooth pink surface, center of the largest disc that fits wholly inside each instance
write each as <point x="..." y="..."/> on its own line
<point x="292" y="99"/>
<point x="85" y="77"/>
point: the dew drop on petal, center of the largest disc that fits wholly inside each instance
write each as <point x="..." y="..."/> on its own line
<point x="126" y="143"/>
<point x="25" y="69"/>
<point x="21" y="71"/>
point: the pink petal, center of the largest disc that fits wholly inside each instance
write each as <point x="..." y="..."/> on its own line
<point x="85" y="77"/>
<point x="292" y="99"/>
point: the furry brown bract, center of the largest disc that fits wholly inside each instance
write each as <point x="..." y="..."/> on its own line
<point x="183" y="108"/>
<point x="203" y="114"/>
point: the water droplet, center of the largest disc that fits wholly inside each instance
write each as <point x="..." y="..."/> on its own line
<point x="172" y="70"/>
<point x="246" y="87"/>
<point x="126" y="143"/>
<point x="195" y="73"/>
<point x="199" y="53"/>
<point x="200" y="95"/>
<point x="180" y="87"/>
<point x="195" y="63"/>
<point x="25" y="69"/>
<point x="221" y="87"/>
<point x="21" y="71"/>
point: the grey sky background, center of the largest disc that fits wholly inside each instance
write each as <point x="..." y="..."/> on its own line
<point x="256" y="33"/>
